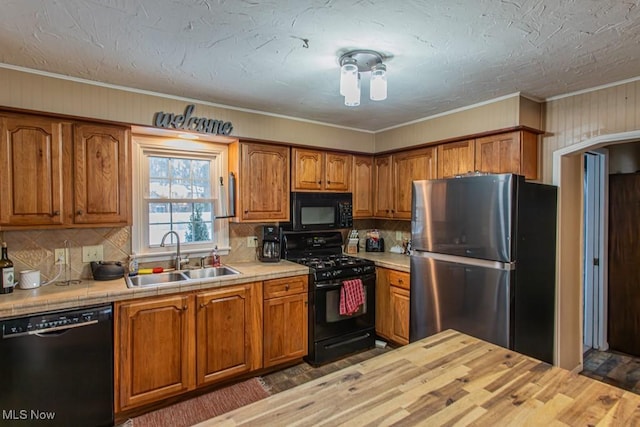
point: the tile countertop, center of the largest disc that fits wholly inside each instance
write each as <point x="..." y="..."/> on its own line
<point x="387" y="259"/>
<point x="91" y="292"/>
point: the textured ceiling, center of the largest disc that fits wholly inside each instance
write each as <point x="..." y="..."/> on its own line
<point x="281" y="56"/>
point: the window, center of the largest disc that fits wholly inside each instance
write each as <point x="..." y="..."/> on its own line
<point x="177" y="188"/>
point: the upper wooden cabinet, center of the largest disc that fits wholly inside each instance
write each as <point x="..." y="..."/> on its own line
<point x="56" y="173"/>
<point x="102" y="174"/>
<point x="456" y="158"/>
<point x="31" y="171"/>
<point x="512" y="152"/>
<point x="383" y="186"/>
<point x="262" y="172"/>
<point x="362" y="186"/>
<point x="394" y="175"/>
<point x="313" y="170"/>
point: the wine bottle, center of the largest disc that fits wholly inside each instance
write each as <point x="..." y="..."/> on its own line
<point x="6" y="272"/>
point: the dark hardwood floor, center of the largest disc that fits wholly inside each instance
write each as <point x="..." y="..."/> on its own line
<point x="303" y="372"/>
<point x="620" y="370"/>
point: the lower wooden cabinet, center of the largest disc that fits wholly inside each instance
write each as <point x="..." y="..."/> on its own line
<point x="392" y="305"/>
<point x="228" y="329"/>
<point x="167" y="345"/>
<point x="285" y="320"/>
<point x="154" y="344"/>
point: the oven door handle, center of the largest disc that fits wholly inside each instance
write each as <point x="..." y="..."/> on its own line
<point x="338" y="284"/>
<point x="333" y="285"/>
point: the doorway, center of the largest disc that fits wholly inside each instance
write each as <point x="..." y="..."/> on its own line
<point x="568" y="175"/>
<point x="595" y="243"/>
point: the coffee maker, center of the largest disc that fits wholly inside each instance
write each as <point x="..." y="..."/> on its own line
<point x="270" y="251"/>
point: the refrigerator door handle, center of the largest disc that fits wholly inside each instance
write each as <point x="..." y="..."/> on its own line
<point x="476" y="262"/>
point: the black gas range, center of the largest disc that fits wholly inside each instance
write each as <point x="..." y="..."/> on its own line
<point x="332" y="335"/>
<point x="328" y="267"/>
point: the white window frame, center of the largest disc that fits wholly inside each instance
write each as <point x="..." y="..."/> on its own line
<point x="144" y="146"/>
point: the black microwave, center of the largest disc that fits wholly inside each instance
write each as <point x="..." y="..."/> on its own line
<point x="321" y="211"/>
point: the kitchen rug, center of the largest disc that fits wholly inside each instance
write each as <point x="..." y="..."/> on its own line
<point x="203" y="407"/>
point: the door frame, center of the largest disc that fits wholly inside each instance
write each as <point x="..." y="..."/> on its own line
<point x="568" y="174"/>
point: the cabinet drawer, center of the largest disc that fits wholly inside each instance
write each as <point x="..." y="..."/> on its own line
<point x="399" y="279"/>
<point x="286" y="286"/>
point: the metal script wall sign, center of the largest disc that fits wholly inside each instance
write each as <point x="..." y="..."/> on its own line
<point x="187" y="122"/>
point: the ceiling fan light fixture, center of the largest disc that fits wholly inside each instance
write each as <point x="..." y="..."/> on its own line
<point x="378" y="88"/>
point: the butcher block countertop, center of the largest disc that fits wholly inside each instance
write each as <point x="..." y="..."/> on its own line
<point x="446" y="379"/>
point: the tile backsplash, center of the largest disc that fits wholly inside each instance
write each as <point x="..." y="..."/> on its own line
<point x="34" y="249"/>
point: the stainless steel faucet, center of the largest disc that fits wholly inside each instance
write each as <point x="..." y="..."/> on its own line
<point x="178" y="258"/>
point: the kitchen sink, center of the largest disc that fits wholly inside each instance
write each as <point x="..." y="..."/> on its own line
<point x="208" y="272"/>
<point x="173" y="277"/>
<point x="155" y="279"/>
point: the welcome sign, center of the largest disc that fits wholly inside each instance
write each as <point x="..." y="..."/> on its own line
<point x="187" y="121"/>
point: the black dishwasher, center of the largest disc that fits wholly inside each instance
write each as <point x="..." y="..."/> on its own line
<point x="56" y="368"/>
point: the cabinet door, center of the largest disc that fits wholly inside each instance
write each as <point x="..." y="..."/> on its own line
<point x="383" y="300"/>
<point x="285" y="328"/>
<point x="264" y="182"/>
<point x="102" y="170"/>
<point x="31" y="171"/>
<point x="498" y="153"/>
<point x="411" y="166"/>
<point x="400" y="315"/>
<point x="383" y="198"/>
<point x="285" y="319"/>
<point x="154" y="350"/>
<point x="226" y="324"/>
<point x="337" y="172"/>
<point x="362" y="185"/>
<point x="456" y="158"/>
<point x="307" y="170"/>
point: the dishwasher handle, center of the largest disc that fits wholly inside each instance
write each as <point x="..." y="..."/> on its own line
<point x="49" y="331"/>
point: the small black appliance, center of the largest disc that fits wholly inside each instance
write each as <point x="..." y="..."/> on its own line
<point x="107" y="270"/>
<point x="374" y="245"/>
<point x="270" y="251"/>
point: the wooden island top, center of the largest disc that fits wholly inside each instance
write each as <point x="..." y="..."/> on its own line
<point x="446" y="379"/>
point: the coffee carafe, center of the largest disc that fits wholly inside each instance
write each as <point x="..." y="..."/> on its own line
<point x="270" y="251"/>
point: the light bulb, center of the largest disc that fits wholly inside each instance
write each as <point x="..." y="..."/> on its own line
<point x="348" y="76"/>
<point x="378" y="88"/>
<point x="352" y="96"/>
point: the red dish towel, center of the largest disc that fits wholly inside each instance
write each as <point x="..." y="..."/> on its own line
<point x="351" y="296"/>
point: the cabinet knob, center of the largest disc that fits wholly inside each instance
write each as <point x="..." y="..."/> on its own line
<point x="328" y="182"/>
<point x="286" y="287"/>
<point x="319" y="182"/>
<point x="79" y="212"/>
<point x="55" y="213"/>
<point x="184" y="308"/>
<point x="246" y="211"/>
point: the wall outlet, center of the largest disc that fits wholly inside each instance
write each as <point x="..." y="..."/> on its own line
<point x="92" y="253"/>
<point x="61" y="256"/>
<point x="399" y="235"/>
<point x="252" y="241"/>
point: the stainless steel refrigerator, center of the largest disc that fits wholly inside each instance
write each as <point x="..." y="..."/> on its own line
<point x="483" y="261"/>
